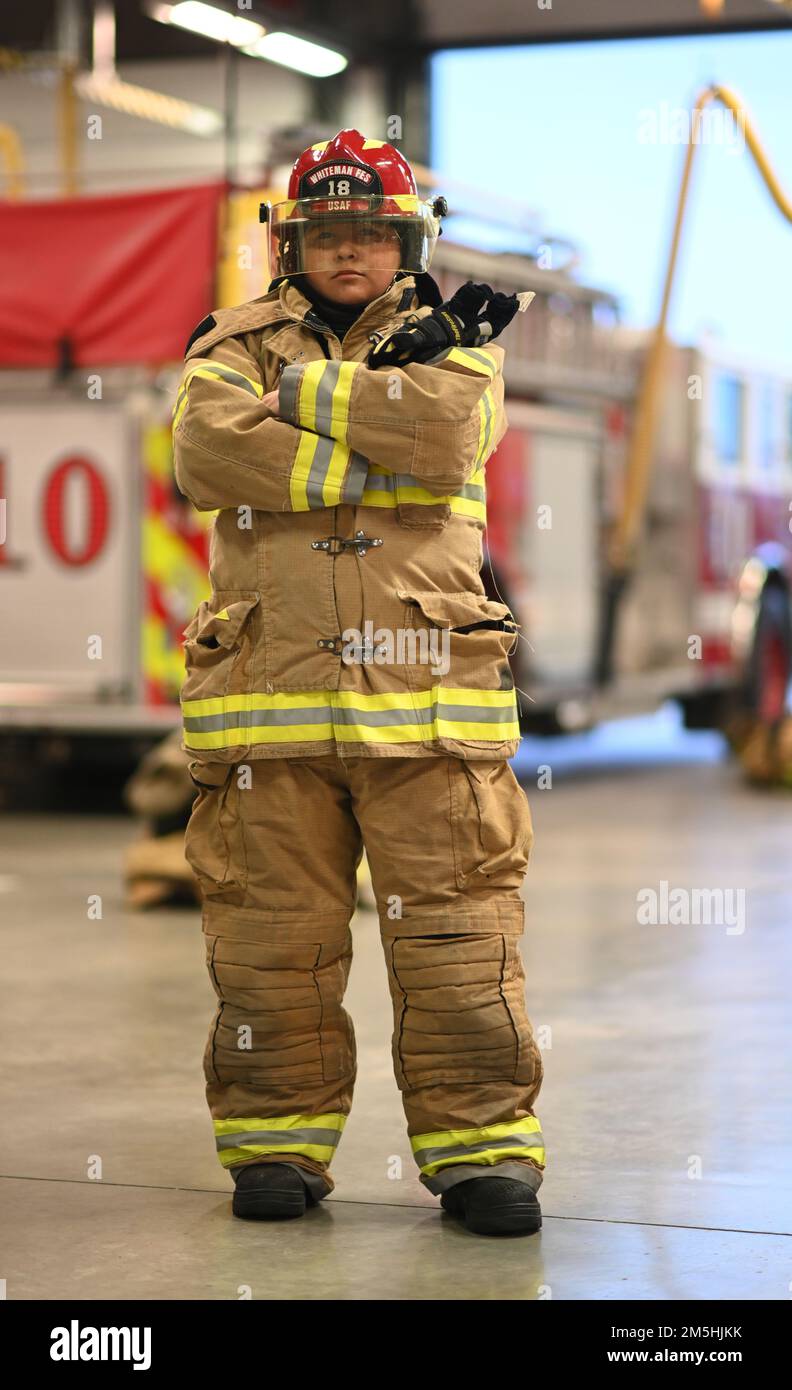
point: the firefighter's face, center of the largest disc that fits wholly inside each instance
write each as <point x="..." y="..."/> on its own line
<point x="351" y="262"/>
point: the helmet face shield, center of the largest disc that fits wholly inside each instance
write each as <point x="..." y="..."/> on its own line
<point x="385" y="233"/>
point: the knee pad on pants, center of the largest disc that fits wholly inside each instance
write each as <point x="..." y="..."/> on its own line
<point x="459" y="1011"/>
<point x="280" y="1020"/>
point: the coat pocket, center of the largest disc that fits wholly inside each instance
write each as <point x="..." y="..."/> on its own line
<point x="219" y="645"/>
<point x="492" y="830"/>
<point x="460" y="647"/>
<point x="214" y="842"/>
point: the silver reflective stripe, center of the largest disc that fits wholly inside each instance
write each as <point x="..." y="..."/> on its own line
<point x="217" y="370"/>
<point x="254" y="718"/>
<point x="355" y="482"/>
<point x="287" y="393"/>
<point x="473" y="490"/>
<point x="440" y="1181"/>
<point x="479" y="714"/>
<point x="388" y="483"/>
<point x="482" y="357"/>
<point x="348" y="714"/>
<point x="236" y="378"/>
<point x="324" y="714"/>
<point x="314" y="488"/>
<point x="385" y="482"/>
<point x="324" y="397"/>
<point x="287" y="1137"/>
<point x="523" y="1141"/>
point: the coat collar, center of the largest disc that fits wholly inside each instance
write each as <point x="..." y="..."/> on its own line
<point x="285" y="304"/>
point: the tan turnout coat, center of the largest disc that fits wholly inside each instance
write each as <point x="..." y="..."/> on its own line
<point x="346" y="550"/>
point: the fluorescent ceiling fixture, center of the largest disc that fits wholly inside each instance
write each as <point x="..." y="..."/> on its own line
<point x="209" y="21"/>
<point x="291" y="52"/>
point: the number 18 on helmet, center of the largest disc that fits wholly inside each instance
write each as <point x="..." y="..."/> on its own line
<point x="350" y="189"/>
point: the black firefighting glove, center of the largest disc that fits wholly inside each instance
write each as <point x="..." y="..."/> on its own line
<point x="461" y="322"/>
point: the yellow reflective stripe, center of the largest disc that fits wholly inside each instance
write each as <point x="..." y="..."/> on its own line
<point x="450" y="712"/>
<point x="460" y="504"/>
<point x="222" y="614"/>
<point x="372" y="498"/>
<point x="445" y="1148"/>
<point x="334" y="477"/>
<point x="301" y="468"/>
<point x="221" y="704"/>
<point x="232" y="738"/>
<point x="306" y="401"/>
<point x="486" y="1156"/>
<point x="323" y="397"/>
<point x="395" y="733"/>
<point x="410" y="493"/>
<point x="345" y="699"/>
<point x="214" y="371"/>
<point x="464" y="694"/>
<point x="330" y="1119"/>
<point x="340" y="406"/>
<point x="316" y="1136"/>
<point x="487" y="408"/>
<point x="474" y="359"/>
<point x="468" y="506"/>
<point x="318" y="473"/>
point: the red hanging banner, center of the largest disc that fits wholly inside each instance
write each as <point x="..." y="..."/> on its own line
<point x="110" y="280"/>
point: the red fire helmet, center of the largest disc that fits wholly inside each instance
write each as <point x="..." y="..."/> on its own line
<point x="351" y="187"/>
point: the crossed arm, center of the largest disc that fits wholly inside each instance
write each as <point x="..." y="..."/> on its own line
<point x="437" y="423"/>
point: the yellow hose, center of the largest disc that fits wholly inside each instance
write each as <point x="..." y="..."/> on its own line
<point x="627" y="531"/>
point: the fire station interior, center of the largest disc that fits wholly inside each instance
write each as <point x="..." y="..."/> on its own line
<point x="618" y="179"/>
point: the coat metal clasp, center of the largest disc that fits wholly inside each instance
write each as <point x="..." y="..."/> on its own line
<point x="362" y="541"/>
<point x="335" y="545"/>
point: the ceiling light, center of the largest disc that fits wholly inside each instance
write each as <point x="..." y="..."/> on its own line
<point x="209" y="21"/>
<point x="311" y="58"/>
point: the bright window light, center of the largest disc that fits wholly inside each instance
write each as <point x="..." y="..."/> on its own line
<point x="209" y="21"/>
<point x="291" y="52"/>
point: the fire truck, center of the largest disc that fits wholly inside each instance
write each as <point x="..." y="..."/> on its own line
<point x="103" y="562"/>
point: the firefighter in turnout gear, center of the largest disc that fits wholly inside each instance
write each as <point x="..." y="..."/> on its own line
<point x="347" y="686"/>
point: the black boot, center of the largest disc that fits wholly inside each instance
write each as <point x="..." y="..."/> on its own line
<point x="266" y="1191"/>
<point x="494" y="1206"/>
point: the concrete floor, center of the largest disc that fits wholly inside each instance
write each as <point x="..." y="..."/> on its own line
<point x="666" y="1106"/>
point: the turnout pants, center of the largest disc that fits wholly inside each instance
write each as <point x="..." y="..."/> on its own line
<point x="275" y="844"/>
